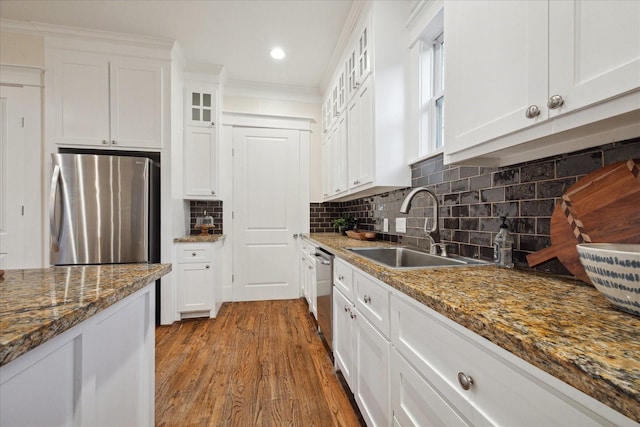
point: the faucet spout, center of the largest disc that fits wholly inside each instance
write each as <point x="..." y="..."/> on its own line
<point x="432" y="232"/>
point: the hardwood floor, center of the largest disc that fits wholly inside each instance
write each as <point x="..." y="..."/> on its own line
<point x="258" y="364"/>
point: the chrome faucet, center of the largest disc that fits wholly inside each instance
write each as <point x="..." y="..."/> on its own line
<point x="432" y="233"/>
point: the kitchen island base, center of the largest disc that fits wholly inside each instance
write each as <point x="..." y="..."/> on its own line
<point x="99" y="372"/>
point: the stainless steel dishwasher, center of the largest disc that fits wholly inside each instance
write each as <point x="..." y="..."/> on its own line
<point x="324" y="286"/>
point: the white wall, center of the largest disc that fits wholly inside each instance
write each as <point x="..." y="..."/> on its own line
<point x="21" y="49"/>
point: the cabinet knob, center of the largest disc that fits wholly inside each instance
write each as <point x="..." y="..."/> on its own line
<point x="532" y="111"/>
<point x="367" y="299"/>
<point x="193" y="254"/>
<point x="353" y="315"/>
<point x="105" y="142"/>
<point x="341" y="277"/>
<point x="213" y="192"/>
<point x="465" y="381"/>
<point x="207" y="266"/>
<point x="346" y="308"/>
<point x="555" y="101"/>
<point x="113" y="142"/>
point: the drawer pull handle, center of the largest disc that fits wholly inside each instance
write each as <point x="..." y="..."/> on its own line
<point x="367" y="299"/>
<point x="465" y="381"/>
<point x="341" y="277"/>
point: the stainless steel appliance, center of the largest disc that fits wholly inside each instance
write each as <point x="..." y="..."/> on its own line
<point x="101" y="209"/>
<point x="324" y="286"/>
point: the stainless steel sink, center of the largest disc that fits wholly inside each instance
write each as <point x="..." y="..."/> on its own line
<point x="406" y="258"/>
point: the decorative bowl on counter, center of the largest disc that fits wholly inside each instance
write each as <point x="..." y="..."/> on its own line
<point x="614" y="269"/>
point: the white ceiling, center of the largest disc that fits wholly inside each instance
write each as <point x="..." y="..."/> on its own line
<point x="237" y="34"/>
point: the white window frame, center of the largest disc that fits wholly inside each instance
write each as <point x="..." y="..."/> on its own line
<point x="425" y="25"/>
<point x="431" y="90"/>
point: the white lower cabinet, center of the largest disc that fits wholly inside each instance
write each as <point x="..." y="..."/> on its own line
<point x="415" y="401"/>
<point x="343" y="337"/>
<point x="372" y="373"/>
<point x="196" y="280"/>
<point x="361" y="344"/>
<point x="408" y="365"/>
<point x="503" y="389"/>
<point x="308" y="276"/>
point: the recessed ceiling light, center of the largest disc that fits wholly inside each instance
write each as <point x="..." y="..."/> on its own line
<point x="277" y="53"/>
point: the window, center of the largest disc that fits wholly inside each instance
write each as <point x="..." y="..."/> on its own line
<point x="431" y="97"/>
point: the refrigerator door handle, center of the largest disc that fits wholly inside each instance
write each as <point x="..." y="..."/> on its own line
<point x="52" y="200"/>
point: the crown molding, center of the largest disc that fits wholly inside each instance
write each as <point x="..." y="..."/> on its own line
<point x="20" y="27"/>
<point x="60" y="36"/>
<point x="244" y="88"/>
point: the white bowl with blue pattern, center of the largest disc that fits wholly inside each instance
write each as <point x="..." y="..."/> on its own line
<point x="614" y="269"/>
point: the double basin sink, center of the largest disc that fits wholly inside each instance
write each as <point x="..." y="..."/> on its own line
<point x="407" y="258"/>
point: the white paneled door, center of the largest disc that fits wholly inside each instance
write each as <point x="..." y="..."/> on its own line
<point x="21" y="243"/>
<point x="267" y="200"/>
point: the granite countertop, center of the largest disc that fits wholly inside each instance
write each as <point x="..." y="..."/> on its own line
<point x="560" y="325"/>
<point x="39" y="304"/>
<point x="200" y="239"/>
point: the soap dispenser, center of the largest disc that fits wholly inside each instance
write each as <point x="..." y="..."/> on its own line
<point x="503" y="246"/>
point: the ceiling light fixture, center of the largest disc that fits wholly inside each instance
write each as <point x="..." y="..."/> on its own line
<point x="277" y="53"/>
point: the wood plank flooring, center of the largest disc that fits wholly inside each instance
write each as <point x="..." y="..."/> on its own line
<point x="258" y="364"/>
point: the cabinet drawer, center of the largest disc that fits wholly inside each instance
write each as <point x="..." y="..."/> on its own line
<point x="343" y="277"/>
<point x="372" y="301"/>
<point x="202" y="252"/>
<point x="503" y="392"/>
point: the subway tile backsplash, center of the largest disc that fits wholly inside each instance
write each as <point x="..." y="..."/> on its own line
<point x="213" y="208"/>
<point x="473" y="198"/>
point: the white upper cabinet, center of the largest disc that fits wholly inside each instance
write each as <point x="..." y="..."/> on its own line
<point x="374" y="102"/>
<point x="201" y="148"/>
<point x="594" y="51"/>
<point x="106" y="100"/>
<point x="339" y="156"/>
<point x="358" y="62"/>
<point x="360" y="136"/>
<point x="525" y="78"/>
<point x="201" y="107"/>
<point x="326" y="167"/>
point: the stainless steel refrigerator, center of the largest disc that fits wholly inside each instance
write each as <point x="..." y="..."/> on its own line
<point x="103" y="209"/>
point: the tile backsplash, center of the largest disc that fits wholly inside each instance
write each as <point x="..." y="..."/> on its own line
<point x="472" y="199"/>
<point x="213" y="208"/>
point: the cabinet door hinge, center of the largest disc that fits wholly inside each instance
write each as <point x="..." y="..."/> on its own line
<point x="22" y="210"/>
<point x="23" y="122"/>
<point x="233" y="215"/>
<point x="233" y="278"/>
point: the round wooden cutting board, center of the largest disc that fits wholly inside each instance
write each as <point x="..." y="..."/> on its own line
<point x="602" y="207"/>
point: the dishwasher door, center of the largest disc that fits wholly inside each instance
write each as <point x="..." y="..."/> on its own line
<point x="324" y="286"/>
